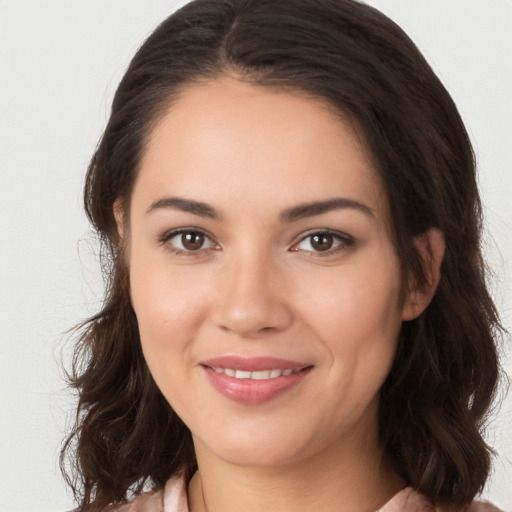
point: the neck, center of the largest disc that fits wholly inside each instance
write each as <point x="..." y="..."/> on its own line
<point x="358" y="477"/>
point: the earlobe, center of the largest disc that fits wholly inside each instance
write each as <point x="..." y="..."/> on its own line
<point x="430" y="246"/>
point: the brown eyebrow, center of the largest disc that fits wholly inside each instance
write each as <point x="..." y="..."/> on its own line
<point x="302" y="211"/>
<point x="185" y="205"/>
<point x="293" y="214"/>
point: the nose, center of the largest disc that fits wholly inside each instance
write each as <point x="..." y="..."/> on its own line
<point x="251" y="298"/>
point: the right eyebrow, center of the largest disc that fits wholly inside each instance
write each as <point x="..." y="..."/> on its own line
<point x="185" y="205"/>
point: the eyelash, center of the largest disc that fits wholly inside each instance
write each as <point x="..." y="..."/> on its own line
<point x="169" y="235"/>
<point x="344" y="242"/>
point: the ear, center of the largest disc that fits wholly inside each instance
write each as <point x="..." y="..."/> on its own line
<point x="119" y="218"/>
<point x="430" y="246"/>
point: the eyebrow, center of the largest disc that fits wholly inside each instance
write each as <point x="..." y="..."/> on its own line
<point x="302" y="211"/>
<point x="185" y="205"/>
<point x="293" y="214"/>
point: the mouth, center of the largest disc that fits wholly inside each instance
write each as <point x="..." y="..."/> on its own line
<point x="256" y="375"/>
<point x="253" y="381"/>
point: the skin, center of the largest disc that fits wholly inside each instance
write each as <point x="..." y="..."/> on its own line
<point x="257" y="286"/>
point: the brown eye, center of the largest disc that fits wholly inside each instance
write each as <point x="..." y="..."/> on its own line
<point x="187" y="241"/>
<point x="322" y="242"/>
<point x="192" y="241"/>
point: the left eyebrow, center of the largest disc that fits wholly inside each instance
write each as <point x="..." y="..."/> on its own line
<point x="302" y="211"/>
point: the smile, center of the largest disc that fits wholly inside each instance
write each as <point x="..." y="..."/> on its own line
<point x="257" y="375"/>
<point x="254" y="380"/>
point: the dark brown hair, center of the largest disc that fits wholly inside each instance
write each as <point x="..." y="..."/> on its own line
<point x="434" y="403"/>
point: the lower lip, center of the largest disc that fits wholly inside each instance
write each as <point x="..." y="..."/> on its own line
<point x="253" y="391"/>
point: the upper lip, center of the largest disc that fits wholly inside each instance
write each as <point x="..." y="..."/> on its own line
<point x="253" y="364"/>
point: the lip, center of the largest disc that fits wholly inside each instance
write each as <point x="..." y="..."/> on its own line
<point x="253" y="364"/>
<point x="252" y="391"/>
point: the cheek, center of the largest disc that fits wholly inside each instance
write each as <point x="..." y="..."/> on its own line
<point x="354" y="305"/>
<point x="168" y="304"/>
<point x="356" y="315"/>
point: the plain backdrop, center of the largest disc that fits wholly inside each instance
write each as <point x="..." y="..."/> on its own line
<point x="60" y="62"/>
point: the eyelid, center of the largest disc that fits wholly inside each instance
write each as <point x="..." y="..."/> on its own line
<point x="168" y="235"/>
<point x="345" y="241"/>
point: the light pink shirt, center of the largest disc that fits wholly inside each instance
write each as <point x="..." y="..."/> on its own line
<point x="174" y="499"/>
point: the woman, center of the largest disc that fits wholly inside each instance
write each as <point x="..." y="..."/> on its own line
<point x="296" y="316"/>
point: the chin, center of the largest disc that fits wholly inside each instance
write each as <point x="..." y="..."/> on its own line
<point x="255" y="449"/>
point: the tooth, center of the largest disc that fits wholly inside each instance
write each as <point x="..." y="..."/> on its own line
<point x="263" y="374"/>
<point x="257" y="375"/>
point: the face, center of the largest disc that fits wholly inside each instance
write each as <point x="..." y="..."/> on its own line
<point x="262" y="275"/>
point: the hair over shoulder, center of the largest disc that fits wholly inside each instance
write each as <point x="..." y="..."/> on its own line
<point x="435" y="400"/>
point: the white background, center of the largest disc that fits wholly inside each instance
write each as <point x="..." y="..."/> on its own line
<point x="60" y="61"/>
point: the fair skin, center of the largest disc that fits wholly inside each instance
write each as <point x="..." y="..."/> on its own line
<point x="257" y="280"/>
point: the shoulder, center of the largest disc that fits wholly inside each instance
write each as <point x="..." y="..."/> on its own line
<point x="152" y="501"/>
<point x="409" y="500"/>
<point x="173" y="498"/>
<point x="482" y="506"/>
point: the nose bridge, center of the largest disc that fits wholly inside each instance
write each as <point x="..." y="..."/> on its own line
<point x="251" y="297"/>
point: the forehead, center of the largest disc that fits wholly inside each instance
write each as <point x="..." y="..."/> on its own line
<point x="229" y="139"/>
